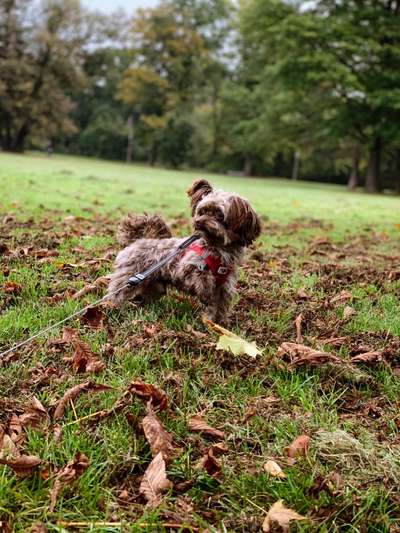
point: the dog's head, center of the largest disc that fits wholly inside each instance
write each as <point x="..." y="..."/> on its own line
<point x="221" y="218"/>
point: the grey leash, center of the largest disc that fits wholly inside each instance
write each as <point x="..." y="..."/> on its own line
<point x="134" y="281"/>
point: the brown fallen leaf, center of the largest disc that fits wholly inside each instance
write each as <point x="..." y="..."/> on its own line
<point x="84" y="360"/>
<point x="198" y="424"/>
<point x="69" y="334"/>
<point x="302" y="293"/>
<point x="35" y="415"/>
<point x="348" y="312"/>
<point x="368" y="357"/>
<point x="38" y="527"/>
<point x="281" y="516"/>
<point x="93" y="317"/>
<point x="24" y="465"/>
<point x="297" y="323"/>
<point x="159" y="439"/>
<point x="298" y="448"/>
<point x="147" y="391"/>
<point x="155" y="481"/>
<point x="300" y="354"/>
<point x="209" y="462"/>
<point x="67" y="475"/>
<point x="274" y="469"/>
<point x="343" y="296"/>
<point x="92" y="287"/>
<point x="10" y="287"/>
<point x="71" y="394"/>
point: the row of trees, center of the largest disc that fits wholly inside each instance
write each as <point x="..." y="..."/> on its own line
<point x="270" y="87"/>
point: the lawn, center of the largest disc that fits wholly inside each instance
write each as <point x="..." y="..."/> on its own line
<point x="328" y="259"/>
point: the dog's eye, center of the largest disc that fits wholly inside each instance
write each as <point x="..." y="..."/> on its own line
<point x="219" y="215"/>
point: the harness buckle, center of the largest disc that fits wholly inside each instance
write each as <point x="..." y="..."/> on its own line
<point x="202" y="266"/>
<point x="222" y="271"/>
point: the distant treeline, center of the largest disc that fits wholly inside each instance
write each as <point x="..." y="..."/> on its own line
<point x="306" y="90"/>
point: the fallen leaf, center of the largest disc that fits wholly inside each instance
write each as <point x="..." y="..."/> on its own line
<point x="159" y="439"/>
<point x="154" y="481"/>
<point x="368" y="357"/>
<point x="301" y="293"/>
<point x="93" y="317"/>
<point x="348" y="312"/>
<point x="10" y="287"/>
<point x="24" y="465"/>
<point x="69" y="334"/>
<point x="297" y="323"/>
<point x="300" y="354"/>
<point x="198" y="424"/>
<point x="84" y="360"/>
<point x="209" y="462"/>
<point x="281" y="516"/>
<point x="298" y="448"/>
<point x="92" y="287"/>
<point x="71" y="394"/>
<point x="38" y="527"/>
<point x="231" y="342"/>
<point x="35" y="415"/>
<point x="274" y="469"/>
<point x="68" y="475"/>
<point x="343" y="296"/>
<point x="147" y="392"/>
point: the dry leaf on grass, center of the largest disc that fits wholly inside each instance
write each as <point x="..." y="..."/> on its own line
<point x="297" y="323"/>
<point x="71" y="394"/>
<point x="302" y="293"/>
<point x="67" y="475"/>
<point x="198" y="424"/>
<point x="368" y="357"/>
<point x="154" y="481"/>
<point x="84" y="360"/>
<point x="147" y="391"/>
<point x="343" y="296"/>
<point x="91" y="287"/>
<point x="274" y="469"/>
<point x="159" y="439"/>
<point x="348" y="312"/>
<point x="24" y="465"/>
<point x="209" y="462"/>
<point x="93" y="317"/>
<point x="301" y="355"/>
<point x="38" y="527"/>
<point x="231" y="342"/>
<point x="281" y="516"/>
<point x="298" y="448"/>
<point x="35" y="414"/>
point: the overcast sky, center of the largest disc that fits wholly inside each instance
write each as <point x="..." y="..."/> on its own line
<point x="107" y="6"/>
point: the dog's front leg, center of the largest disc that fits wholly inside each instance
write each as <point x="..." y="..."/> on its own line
<point x="223" y="297"/>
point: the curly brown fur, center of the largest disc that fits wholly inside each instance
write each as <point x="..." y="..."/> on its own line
<point x="134" y="227"/>
<point x="226" y="224"/>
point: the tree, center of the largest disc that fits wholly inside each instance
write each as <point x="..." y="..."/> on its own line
<point x="41" y="48"/>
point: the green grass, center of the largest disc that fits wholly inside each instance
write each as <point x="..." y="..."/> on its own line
<point x="316" y="238"/>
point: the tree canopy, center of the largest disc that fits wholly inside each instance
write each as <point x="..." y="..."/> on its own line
<point x="202" y="83"/>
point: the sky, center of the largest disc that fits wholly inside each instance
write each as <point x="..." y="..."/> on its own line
<point x="108" y="6"/>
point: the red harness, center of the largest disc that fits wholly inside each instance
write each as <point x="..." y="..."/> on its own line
<point x="214" y="263"/>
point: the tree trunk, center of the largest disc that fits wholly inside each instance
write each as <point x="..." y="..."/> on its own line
<point x="397" y="172"/>
<point x="129" y="148"/>
<point x="355" y="169"/>
<point x="296" y="165"/>
<point x="247" y="168"/>
<point x="372" y="182"/>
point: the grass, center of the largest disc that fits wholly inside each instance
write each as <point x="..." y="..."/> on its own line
<point x="60" y="213"/>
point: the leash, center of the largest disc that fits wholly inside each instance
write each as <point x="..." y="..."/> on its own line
<point x="134" y="281"/>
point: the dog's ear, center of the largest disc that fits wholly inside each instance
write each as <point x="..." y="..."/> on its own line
<point x="243" y="220"/>
<point x="196" y="192"/>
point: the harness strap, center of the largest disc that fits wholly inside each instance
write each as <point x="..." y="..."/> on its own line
<point x="212" y="262"/>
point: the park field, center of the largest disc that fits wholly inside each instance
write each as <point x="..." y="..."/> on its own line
<point x="325" y="275"/>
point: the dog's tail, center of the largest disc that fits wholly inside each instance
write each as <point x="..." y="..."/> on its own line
<point x="134" y="227"/>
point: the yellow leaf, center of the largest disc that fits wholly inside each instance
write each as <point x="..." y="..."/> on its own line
<point x="281" y="515"/>
<point x="231" y="342"/>
<point x="274" y="469"/>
